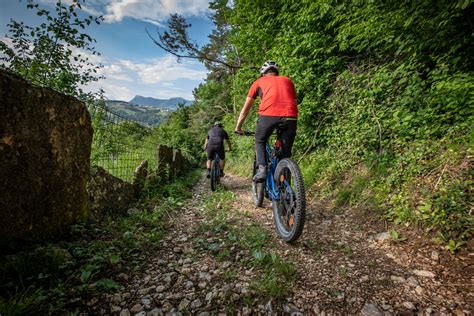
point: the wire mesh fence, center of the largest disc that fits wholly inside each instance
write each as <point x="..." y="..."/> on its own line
<point x="120" y="144"/>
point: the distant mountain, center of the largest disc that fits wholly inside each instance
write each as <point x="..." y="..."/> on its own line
<point x="170" y="104"/>
<point x="149" y="116"/>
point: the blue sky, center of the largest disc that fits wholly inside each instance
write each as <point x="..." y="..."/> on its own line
<point x="133" y="64"/>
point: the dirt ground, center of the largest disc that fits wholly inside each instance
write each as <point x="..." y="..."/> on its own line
<point x="346" y="261"/>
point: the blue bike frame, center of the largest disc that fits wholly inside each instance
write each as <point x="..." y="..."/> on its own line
<point x="270" y="188"/>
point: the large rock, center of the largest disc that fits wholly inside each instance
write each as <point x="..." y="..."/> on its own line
<point x="45" y="144"/>
<point x="139" y="177"/>
<point x="108" y="194"/>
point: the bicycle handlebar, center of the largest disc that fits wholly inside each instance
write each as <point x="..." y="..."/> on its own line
<point x="245" y="133"/>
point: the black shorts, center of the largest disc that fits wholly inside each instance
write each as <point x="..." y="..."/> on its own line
<point x="265" y="127"/>
<point x="212" y="150"/>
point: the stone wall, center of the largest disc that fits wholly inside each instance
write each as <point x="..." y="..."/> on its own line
<point x="108" y="195"/>
<point x="171" y="162"/>
<point x="45" y="143"/>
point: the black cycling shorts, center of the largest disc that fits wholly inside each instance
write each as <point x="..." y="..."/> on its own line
<point x="265" y="127"/>
<point x="212" y="150"/>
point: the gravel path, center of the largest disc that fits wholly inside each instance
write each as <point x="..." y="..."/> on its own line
<point x="346" y="264"/>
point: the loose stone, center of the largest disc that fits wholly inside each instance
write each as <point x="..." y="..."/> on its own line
<point x="136" y="308"/>
<point x="370" y="309"/>
<point x="409" y="305"/>
<point x="125" y="312"/>
<point x="155" y="312"/>
<point x="183" y="305"/>
<point x="424" y="273"/>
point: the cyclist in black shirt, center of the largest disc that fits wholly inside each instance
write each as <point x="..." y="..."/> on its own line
<point x="215" y="144"/>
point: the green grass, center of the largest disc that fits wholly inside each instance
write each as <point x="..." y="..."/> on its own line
<point x="25" y="302"/>
<point x="346" y="249"/>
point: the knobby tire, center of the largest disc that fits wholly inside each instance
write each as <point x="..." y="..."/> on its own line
<point x="258" y="188"/>
<point x="214" y="175"/>
<point x="297" y="185"/>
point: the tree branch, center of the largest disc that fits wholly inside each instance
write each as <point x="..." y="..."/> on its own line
<point x="176" y="42"/>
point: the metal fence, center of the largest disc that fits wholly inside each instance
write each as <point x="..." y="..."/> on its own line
<point x="120" y="144"/>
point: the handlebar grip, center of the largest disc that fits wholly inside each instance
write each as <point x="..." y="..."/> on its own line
<point x="245" y="133"/>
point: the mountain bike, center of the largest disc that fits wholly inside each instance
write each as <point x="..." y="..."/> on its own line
<point x="215" y="173"/>
<point x="284" y="186"/>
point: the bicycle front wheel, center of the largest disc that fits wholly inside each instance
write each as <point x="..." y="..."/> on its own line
<point x="214" y="175"/>
<point x="289" y="212"/>
<point x="258" y="188"/>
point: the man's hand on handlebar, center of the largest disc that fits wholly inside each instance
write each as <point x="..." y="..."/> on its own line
<point x="239" y="131"/>
<point x="243" y="133"/>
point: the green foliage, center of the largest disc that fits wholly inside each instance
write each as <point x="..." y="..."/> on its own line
<point x="56" y="53"/>
<point x="384" y="94"/>
<point x="452" y="245"/>
<point x="396" y="236"/>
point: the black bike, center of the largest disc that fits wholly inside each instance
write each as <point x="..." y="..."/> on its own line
<point x="284" y="186"/>
<point x="215" y="173"/>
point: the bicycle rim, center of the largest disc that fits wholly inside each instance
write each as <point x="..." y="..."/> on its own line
<point x="289" y="212"/>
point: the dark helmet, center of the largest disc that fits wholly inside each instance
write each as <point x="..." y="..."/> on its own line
<point x="268" y="65"/>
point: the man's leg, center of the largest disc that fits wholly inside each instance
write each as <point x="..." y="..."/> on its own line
<point x="209" y="160"/>
<point x="265" y="127"/>
<point x="221" y="153"/>
<point x="288" y="137"/>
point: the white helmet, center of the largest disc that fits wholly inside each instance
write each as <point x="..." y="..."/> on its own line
<point x="268" y="65"/>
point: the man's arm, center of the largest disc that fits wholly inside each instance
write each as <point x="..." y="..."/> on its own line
<point x="243" y="114"/>
<point x="205" y="144"/>
<point x="229" y="144"/>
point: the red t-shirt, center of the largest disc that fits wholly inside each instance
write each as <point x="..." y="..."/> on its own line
<point x="278" y="96"/>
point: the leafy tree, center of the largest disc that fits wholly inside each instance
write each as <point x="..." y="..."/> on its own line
<point x="55" y="53"/>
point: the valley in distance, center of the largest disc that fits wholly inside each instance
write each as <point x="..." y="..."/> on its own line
<point x="146" y="110"/>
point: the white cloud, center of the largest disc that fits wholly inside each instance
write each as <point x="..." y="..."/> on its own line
<point x="164" y="69"/>
<point x="154" y="11"/>
<point x="113" y="90"/>
<point x="117" y="92"/>
<point x="159" y="78"/>
<point x="115" y="71"/>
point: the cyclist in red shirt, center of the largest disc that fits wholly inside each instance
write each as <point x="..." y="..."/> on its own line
<point x="277" y="108"/>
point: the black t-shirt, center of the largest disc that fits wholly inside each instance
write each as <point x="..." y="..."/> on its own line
<point x="216" y="136"/>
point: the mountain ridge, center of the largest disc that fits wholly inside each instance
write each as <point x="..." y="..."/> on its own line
<point x="171" y="103"/>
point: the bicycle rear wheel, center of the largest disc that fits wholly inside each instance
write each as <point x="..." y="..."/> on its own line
<point x="258" y="188"/>
<point x="289" y="212"/>
<point x="214" y="175"/>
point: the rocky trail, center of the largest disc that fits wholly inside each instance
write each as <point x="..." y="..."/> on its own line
<point x="344" y="263"/>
